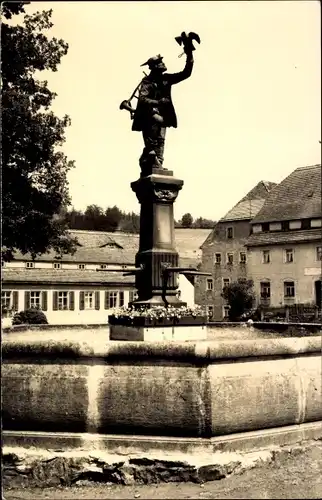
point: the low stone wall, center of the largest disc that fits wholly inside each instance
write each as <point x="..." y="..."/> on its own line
<point x="191" y="389"/>
<point x="293" y="329"/>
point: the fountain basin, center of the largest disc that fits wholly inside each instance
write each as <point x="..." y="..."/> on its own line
<point x="176" y="389"/>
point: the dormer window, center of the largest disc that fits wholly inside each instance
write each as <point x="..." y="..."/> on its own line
<point x="295" y="224"/>
<point x="275" y="226"/>
<point x="316" y="223"/>
<point x="257" y="228"/>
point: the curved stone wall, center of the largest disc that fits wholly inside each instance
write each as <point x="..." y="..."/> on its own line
<point x="199" y="389"/>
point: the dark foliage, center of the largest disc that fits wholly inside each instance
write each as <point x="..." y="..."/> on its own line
<point x="30" y="317"/>
<point x="34" y="170"/>
<point x="240" y="297"/>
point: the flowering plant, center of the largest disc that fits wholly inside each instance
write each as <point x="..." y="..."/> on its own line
<point x="158" y="312"/>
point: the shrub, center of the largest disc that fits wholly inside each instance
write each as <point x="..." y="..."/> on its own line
<point x="240" y="297"/>
<point x="30" y="317"/>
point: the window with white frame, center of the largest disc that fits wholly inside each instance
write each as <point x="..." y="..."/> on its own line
<point x="112" y="299"/>
<point x="57" y="265"/>
<point x="9" y="301"/>
<point x="266" y="257"/>
<point x="242" y="257"/>
<point x="225" y="282"/>
<point x="81" y="266"/>
<point x="226" y="312"/>
<point x="230" y="258"/>
<point x="5" y="300"/>
<point x="210" y="312"/>
<point x="89" y="300"/>
<point x="218" y="258"/>
<point x="35" y="300"/>
<point x="30" y="265"/>
<point x="210" y="284"/>
<point x="289" y="255"/>
<point x="133" y="295"/>
<point x="63" y="303"/>
<point x="229" y="233"/>
<point x="103" y="266"/>
<point x="318" y="253"/>
<point x="289" y="289"/>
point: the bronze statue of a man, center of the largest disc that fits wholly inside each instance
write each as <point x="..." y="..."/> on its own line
<point x="155" y="111"/>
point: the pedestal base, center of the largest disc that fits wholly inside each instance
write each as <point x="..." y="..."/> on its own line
<point x="158" y="333"/>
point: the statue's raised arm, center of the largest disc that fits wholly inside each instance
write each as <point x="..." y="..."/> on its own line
<point x="155" y="111"/>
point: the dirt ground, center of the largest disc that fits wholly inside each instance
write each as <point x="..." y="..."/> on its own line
<point x="294" y="477"/>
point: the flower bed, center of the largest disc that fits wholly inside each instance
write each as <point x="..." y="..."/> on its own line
<point x="158" y="316"/>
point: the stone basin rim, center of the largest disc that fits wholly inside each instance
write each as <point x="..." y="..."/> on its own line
<point x="206" y="351"/>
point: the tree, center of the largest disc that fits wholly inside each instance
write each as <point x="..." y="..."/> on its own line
<point x="75" y="219"/>
<point x="240" y="297"/>
<point x="186" y="220"/>
<point x="130" y="223"/>
<point x="202" y="223"/>
<point x="113" y="218"/>
<point x="34" y="170"/>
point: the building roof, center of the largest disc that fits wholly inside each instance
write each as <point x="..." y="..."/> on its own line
<point x="62" y="276"/>
<point x="245" y="209"/>
<point x="120" y="248"/>
<point x="284" y="237"/>
<point x="296" y="197"/>
<point x="189" y="241"/>
<point x="250" y="204"/>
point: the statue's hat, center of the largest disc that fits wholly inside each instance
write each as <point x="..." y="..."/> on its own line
<point x="153" y="61"/>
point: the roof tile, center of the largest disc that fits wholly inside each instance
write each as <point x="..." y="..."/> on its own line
<point x="121" y="248"/>
<point x="68" y="276"/>
<point x="250" y="204"/>
<point x="260" y="239"/>
<point x="296" y="197"/>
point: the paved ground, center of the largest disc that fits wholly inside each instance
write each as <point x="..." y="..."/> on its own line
<point x="295" y="477"/>
<point x="101" y="337"/>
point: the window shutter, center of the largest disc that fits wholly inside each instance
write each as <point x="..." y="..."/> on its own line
<point x="107" y="300"/>
<point x="55" y="301"/>
<point x="44" y="301"/>
<point x="27" y="300"/>
<point x="15" y="301"/>
<point x="97" y="301"/>
<point x="81" y="301"/>
<point x="71" y="301"/>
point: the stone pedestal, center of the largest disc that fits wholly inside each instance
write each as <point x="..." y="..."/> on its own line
<point x="156" y="194"/>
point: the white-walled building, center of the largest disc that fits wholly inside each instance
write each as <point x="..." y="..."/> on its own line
<point x="84" y="288"/>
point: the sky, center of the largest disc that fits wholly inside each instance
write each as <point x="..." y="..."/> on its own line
<point x="250" y="111"/>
